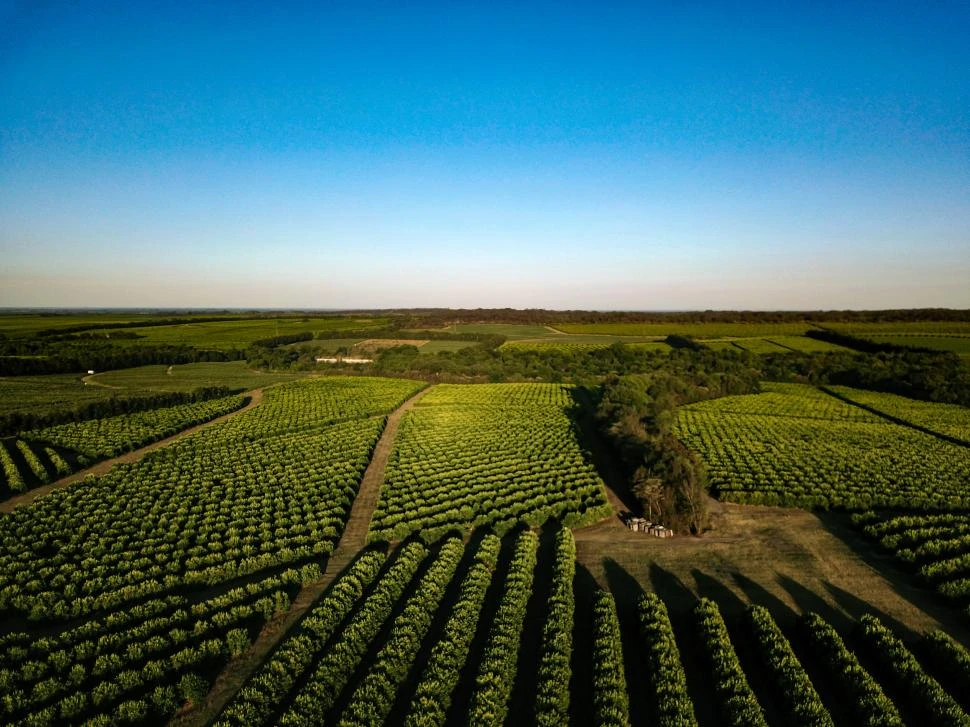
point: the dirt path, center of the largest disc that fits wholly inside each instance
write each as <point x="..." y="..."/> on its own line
<point x="787" y="559"/>
<point x="239" y="669"/>
<point x="255" y="398"/>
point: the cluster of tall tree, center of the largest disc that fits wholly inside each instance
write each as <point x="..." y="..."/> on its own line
<point x="20" y="357"/>
<point x="636" y="414"/>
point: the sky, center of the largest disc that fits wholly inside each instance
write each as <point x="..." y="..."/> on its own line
<point x="602" y="155"/>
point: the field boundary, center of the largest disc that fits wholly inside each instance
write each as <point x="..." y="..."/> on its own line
<point x="352" y="540"/>
<point x="104" y="466"/>
<point x="896" y="420"/>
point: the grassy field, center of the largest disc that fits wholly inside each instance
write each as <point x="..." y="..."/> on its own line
<point x="17" y="326"/>
<point x="695" y="330"/>
<point x="44" y="394"/>
<point x="186" y="377"/>
<point x="441" y="346"/>
<point x="224" y="335"/>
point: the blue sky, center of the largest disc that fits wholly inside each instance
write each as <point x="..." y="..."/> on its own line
<point x="561" y="155"/>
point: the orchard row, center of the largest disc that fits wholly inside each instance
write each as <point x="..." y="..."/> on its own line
<point x="468" y="456"/>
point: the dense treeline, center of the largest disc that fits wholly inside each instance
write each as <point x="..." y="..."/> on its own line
<point x="940" y="377"/>
<point x="21" y="357"/>
<point x="15" y="422"/>
<point x="447" y="316"/>
<point x="282" y="340"/>
<point x="134" y="324"/>
<point x="636" y="415"/>
<point x="863" y="344"/>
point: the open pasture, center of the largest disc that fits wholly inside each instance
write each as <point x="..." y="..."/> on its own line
<point x="45" y="394"/>
<point x="792" y="446"/>
<point x="469" y="455"/>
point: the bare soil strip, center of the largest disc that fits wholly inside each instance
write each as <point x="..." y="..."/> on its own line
<point x="255" y="398"/>
<point x="240" y="668"/>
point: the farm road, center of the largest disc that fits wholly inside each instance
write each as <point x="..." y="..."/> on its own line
<point x="255" y="399"/>
<point x="240" y="668"/>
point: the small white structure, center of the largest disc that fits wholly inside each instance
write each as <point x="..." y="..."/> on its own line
<point x="90" y="372"/>
<point x="346" y="360"/>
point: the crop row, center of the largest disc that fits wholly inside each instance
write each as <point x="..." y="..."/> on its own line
<point x="480" y="455"/>
<point x="611" y="705"/>
<point x="858" y="690"/>
<point x="405" y="636"/>
<point x="668" y="681"/>
<point x="552" y="697"/>
<point x="777" y="456"/>
<point x="497" y="668"/>
<point x="109" y="672"/>
<point x="738" y="705"/>
<point x="96" y="439"/>
<point x="904" y="674"/>
<point x="220" y="504"/>
<point x="935" y="546"/>
<point x="432" y="697"/>
<point x="949" y="419"/>
<point x="802" y="703"/>
<point x="372" y="700"/>
<point x="339" y="662"/>
<point x="264" y="693"/>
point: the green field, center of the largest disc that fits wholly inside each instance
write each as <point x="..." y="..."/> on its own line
<point x="936" y="545"/>
<point x="226" y="335"/>
<point x="567" y="344"/>
<point x="947" y="419"/>
<point x="955" y="344"/>
<point x="45" y="394"/>
<point x="759" y="345"/>
<point x="102" y="438"/>
<point x="469" y="455"/>
<point x="796" y="445"/>
<point x="185" y="377"/>
<point x="444" y="346"/>
<point x="695" y="330"/>
<point x="20" y="325"/>
<point x="913" y="328"/>
<point x="509" y="330"/>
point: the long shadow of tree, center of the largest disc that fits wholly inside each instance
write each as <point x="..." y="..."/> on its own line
<point x="596" y="449"/>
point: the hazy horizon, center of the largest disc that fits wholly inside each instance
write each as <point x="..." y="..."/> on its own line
<point x="563" y="156"/>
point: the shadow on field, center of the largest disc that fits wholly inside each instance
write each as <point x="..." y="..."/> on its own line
<point x="808" y="600"/>
<point x="760" y="596"/>
<point x="406" y="692"/>
<point x="904" y="584"/>
<point x="627" y="592"/>
<point x="596" y="450"/>
<point x="726" y="599"/>
<point x="581" y="683"/>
